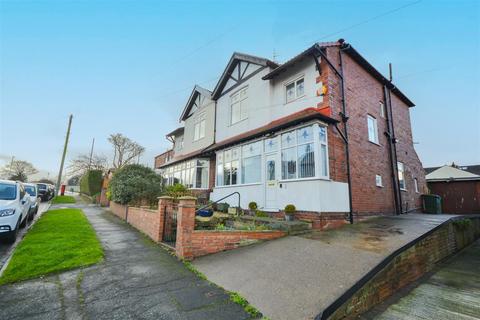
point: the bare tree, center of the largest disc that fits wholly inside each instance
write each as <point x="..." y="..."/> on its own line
<point x="126" y="151"/>
<point x="18" y="170"/>
<point x="83" y="163"/>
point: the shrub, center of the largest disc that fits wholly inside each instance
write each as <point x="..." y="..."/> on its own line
<point x="252" y="205"/>
<point x="223" y="207"/>
<point x="177" y="190"/>
<point x="290" y="209"/>
<point x="462" y="224"/>
<point x="91" y="182"/>
<point x="261" y="214"/>
<point x="134" y="184"/>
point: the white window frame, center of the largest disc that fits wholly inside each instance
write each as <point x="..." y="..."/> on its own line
<point x="401" y="172"/>
<point x="220" y="158"/>
<point x="186" y="173"/>
<point x="199" y="130"/>
<point x="382" y="109"/>
<point x="378" y="181"/>
<point x="243" y="112"/>
<point x="415" y="183"/>
<point x="295" y="82"/>
<point x="373" y="139"/>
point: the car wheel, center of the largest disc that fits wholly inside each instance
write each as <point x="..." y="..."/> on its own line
<point x="12" y="235"/>
<point x="30" y="216"/>
<point x="24" y="222"/>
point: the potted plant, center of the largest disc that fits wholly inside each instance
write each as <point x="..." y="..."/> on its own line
<point x="252" y="206"/>
<point x="289" y="212"/>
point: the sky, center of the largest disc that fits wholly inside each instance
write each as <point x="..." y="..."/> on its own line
<point x="129" y="66"/>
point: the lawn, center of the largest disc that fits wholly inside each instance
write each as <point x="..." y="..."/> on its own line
<point x="63" y="199"/>
<point x="61" y="239"/>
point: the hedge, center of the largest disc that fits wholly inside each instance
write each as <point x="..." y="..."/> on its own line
<point x="91" y="182"/>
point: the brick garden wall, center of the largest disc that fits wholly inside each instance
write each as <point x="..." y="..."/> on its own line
<point x="118" y="210"/>
<point x="408" y="266"/>
<point x="147" y="221"/>
<point x="210" y="241"/>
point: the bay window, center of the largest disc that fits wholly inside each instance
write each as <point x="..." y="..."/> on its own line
<point x="192" y="174"/>
<point x="302" y="154"/>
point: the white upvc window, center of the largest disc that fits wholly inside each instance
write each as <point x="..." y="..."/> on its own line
<point x="378" y="180"/>
<point x="199" y="130"/>
<point x="251" y="169"/>
<point x="372" y="129"/>
<point x="415" y="183"/>
<point x="239" y="107"/>
<point x="192" y="174"/>
<point x="294" y="90"/>
<point x="298" y="153"/>
<point x="382" y="109"/>
<point x="401" y="176"/>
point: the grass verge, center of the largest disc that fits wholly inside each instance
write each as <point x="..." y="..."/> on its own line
<point x="61" y="239"/>
<point x="63" y="199"/>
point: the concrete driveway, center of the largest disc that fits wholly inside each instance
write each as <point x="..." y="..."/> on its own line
<point x="298" y="277"/>
<point x="6" y="249"/>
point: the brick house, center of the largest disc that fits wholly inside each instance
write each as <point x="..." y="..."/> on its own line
<point x="324" y="131"/>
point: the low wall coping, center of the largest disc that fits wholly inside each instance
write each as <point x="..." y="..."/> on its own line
<point x="240" y="231"/>
<point x="165" y="197"/>
<point x="187" y="198"/>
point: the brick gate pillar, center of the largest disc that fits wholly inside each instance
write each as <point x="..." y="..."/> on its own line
<point x="185" y="227"/>
<point x="165" y="205"/>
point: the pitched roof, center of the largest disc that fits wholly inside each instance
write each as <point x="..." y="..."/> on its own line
<point x="191" y="100"/>
<point x="237" y="56"/>
<point x="449" y="173"/>
<point x="276" y="125"/>
<point x="347" y="48"/>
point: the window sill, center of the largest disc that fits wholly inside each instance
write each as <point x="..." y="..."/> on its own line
<point x="304" y="179"/>
<point x="404" y="190"/>
<point x="296" y="99"/>
<point x="375" y="143"/>
<point x="239" y="185"/>
<point x="235" y="123"/>
<point x="379" y="186"/>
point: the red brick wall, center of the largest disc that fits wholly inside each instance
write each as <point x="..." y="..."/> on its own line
<point x="162" y="158"/>
<point x="145" y="220"/>
<point x="363" y="95"/>
<point x="206" y="242"/>
<point x="118" y="209"/>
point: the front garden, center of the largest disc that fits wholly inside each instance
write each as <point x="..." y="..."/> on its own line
<point x="61" y="239"/>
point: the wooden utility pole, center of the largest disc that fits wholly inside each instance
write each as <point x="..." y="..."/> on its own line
<point x="91" y="154"/>
<point x="59" y="179"/>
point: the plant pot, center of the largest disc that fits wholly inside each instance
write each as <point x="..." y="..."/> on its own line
<point x="289" y="217"/>
<point x="205" y="213"/>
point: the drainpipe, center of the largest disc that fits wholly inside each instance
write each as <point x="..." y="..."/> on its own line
<point x="392" y="155"/>
<point x="344" y="117"/>
<point x="394" y="140"/>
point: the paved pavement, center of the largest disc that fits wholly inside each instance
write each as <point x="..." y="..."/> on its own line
<point x="137" y="280"/>
<point x="452" y="291"/>
<point x="298" y="277"/>
<point x="6" y="249"/>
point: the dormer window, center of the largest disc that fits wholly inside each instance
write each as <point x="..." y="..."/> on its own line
<point x="295" y="90"/>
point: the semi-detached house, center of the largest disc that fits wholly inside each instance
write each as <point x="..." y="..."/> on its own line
<point x="324" y="131"/>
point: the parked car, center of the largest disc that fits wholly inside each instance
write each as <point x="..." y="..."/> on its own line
<point x="43" y="191"/>
<point x="14" y="208"/>
<point x="32" y="190"/>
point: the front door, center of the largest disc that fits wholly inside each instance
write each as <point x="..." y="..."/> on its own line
<point x="271" y="183"/>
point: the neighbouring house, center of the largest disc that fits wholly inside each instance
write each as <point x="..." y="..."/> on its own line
<point x="324" y="131"/>
<point x="459" y="187"/>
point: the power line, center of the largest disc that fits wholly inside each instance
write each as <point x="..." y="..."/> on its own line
<point x="368" y="20"/>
